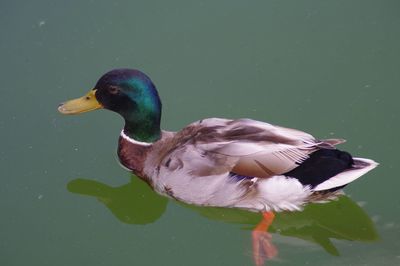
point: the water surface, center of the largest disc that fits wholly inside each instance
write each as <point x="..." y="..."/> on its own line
<point x="330" y="68"/>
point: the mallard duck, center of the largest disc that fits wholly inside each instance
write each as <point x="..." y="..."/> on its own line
<point x="239" y="163"/>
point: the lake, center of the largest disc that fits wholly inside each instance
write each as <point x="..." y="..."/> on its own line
<point x="330" y="68"/>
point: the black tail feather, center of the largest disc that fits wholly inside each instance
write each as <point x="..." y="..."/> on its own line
<point x="321" y="165"/>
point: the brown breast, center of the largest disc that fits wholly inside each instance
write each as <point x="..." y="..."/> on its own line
<point x="132" y="155"/>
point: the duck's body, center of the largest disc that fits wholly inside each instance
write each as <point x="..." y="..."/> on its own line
<point x="219" y="162"/>
<point x="239" y="163"/>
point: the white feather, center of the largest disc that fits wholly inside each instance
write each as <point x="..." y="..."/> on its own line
<point x="277" y="193"/>
<point x="347" y="176"/>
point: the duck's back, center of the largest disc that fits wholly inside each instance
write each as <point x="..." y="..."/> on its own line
<point x="249" y="164"/>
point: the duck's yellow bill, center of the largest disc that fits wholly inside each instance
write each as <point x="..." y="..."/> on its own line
<point x="81" y="105"/>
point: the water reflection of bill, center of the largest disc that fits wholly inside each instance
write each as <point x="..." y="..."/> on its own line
<point x="136" y="203"/>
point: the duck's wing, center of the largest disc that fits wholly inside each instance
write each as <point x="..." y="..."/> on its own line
<point x="256" y="149"/>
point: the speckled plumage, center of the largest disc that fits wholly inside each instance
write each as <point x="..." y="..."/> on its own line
<point x="195" y="165"/>
<point x="221" y="162"/>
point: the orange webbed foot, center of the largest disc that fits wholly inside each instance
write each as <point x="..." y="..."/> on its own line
<point x="263" y="248"/>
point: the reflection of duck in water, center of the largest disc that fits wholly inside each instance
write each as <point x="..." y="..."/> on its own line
<point x="136" y="203"/>
<point x="132" y="203"/>
<point x="219" y="162"/>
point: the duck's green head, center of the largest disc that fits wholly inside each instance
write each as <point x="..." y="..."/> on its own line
<point x="128" y="92"/>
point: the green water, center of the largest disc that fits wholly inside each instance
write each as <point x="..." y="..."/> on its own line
<point x="331" y="68"/>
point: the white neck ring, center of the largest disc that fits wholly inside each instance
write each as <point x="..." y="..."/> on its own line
<point x="133" y="141"/>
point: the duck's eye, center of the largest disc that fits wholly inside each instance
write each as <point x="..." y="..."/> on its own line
<point x="113" y="90"/>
